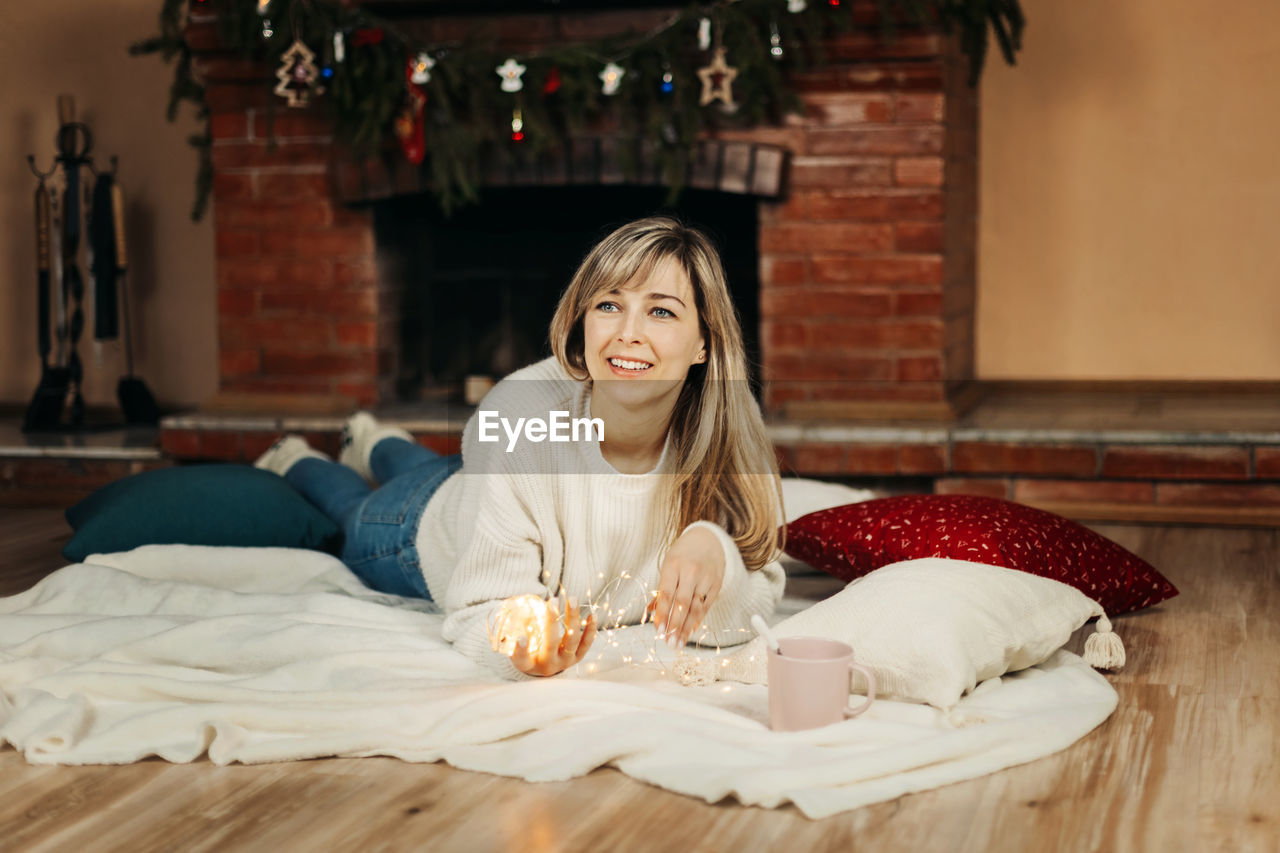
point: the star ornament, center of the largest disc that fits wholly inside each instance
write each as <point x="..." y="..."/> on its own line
<point x="717" y="81"/>
<point x="510" y="72"/>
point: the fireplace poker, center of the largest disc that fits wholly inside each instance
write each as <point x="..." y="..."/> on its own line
<point x="136" y="400"/>
<point x="45" y="409"/>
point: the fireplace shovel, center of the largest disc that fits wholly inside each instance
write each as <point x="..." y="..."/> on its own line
<point x="45" y="410"/>
<point x="136" y="400"/>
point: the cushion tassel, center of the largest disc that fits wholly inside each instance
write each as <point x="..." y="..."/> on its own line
<point x="1103" y="649"/>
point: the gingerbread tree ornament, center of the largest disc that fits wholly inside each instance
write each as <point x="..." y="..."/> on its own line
<point x="297" y="74"/>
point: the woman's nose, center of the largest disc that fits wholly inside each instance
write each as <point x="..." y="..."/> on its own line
<point x="630" y="332"/>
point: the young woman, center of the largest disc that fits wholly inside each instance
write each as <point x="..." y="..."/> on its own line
<point x="673" y="490"/>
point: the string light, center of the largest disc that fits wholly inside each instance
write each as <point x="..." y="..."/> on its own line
<point x="623" y="602"/>
<point x="775" y="40"/>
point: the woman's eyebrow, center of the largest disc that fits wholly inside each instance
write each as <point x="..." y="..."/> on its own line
<point x="655" y="296"/>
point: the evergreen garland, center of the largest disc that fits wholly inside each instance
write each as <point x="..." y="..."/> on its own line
<point x="468" y="118"/>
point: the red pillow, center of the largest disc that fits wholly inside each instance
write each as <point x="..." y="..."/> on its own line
<point x="850" y="541"/>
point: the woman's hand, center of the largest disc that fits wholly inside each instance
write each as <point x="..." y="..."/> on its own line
<point x="688" y="584"/>
<point x="566" y="643"/>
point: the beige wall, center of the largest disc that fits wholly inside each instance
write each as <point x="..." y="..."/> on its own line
<point x="81" y="48"/>
<point x="1130" y="194"/>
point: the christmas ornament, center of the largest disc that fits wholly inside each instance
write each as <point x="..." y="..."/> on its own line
<point x="267" y="30"/>
<point x="668" y="81"/>
<point x="795" y="5"/>
<point x="339" y="47"/>
<point x="775" y="40"/>
<point x="704" y="34"/>
<point x="517" y="125"/>
<point x="409" y="125"/>
<point x="717" y="81"/>
<point x="421" y="69"/>
<point x="611" y="77"/>
<point x="553" y="81"/>
<point x="297" y="74"/>
<point x="510" y="72"/>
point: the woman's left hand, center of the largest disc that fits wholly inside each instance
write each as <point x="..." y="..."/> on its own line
<point x="688" y="584"/>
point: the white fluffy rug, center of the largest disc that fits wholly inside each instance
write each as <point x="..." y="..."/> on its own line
<point x="259" y="654"/>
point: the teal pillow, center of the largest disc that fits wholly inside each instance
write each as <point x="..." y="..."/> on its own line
<point x="198" y="505"/>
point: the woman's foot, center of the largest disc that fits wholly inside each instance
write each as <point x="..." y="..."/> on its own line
<point x="285" y="453"/>
<point x="359" y="435"/>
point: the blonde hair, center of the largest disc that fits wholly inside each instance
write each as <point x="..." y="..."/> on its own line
<point x="726" y="470"/>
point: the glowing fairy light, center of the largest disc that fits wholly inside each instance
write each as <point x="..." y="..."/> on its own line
<point x="521" y="616"/>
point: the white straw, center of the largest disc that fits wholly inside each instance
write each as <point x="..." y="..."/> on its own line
<point x="763" y="630"/>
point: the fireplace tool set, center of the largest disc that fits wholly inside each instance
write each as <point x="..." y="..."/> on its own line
<point x="60" y="287"/>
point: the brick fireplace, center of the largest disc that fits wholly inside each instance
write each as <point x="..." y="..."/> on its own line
<point x="862" y="210"/>
<point x="866" y="229"/>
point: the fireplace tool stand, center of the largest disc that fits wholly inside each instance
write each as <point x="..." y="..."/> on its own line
<point x="60" y="284"/>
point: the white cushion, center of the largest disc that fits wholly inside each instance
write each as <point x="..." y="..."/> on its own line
<point x="801" y="496"/>
<point x="933" y="629"/>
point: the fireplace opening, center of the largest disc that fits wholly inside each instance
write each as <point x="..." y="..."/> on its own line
<point x="477" y="289"/>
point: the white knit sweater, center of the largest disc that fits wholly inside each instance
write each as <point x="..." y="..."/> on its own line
<point x="557" y="518"/>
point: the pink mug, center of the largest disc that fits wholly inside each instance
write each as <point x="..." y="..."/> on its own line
<point x="810" y="680"/>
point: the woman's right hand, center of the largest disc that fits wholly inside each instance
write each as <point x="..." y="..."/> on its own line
<point x="565" y="645"/>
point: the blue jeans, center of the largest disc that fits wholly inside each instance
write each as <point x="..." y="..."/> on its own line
<point x="381" y="525"/>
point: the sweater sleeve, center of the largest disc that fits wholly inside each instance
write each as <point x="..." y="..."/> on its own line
<point x="500" y="557"/>
<point x="501" y="550"/>
<point x="742" y="593"/>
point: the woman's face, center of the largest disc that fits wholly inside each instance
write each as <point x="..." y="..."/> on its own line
<point x="641" y="339"/>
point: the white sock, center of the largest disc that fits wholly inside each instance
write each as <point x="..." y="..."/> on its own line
<point x="285" y="453"/>
<point x="360" y="434"/>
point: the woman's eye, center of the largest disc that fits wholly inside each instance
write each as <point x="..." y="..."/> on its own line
<point x="607" y="306"/>
<point x="663" y="312"/>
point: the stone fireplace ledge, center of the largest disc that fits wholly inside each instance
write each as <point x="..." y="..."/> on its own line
<point x="1188" y="457"/>
<point x="1185" y="457"/>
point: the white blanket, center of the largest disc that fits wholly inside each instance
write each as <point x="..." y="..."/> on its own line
<point x="258" y="654"/>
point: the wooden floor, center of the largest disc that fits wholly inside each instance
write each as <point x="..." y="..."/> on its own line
<point x="1190" y="761"/>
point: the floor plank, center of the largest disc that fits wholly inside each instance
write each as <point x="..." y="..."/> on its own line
<point x="1188" y="761"/>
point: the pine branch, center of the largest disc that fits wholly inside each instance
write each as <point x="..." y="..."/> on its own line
<point x="468" y="116"/>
